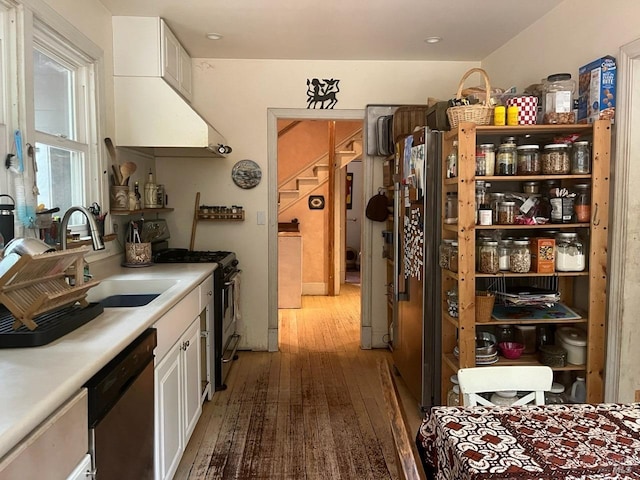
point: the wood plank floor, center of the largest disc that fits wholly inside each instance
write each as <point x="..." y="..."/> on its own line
<point x="313" y="410"/>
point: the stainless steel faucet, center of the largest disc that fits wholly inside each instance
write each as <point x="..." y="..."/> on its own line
<point x="96" y="239"/>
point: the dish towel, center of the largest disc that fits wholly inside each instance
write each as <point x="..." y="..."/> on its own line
<point x="236" y="298"/>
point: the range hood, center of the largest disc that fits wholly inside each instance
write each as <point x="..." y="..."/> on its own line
<point x="151" y="117"/>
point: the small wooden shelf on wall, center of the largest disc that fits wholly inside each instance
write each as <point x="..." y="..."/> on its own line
<point x="201" y="216"/>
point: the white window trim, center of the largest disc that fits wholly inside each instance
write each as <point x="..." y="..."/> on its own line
<point x="36" y="12"/>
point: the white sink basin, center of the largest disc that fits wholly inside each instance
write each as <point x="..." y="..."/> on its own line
<point x="121" y="288"/>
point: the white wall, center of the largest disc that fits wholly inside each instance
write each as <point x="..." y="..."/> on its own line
<point x="550" y="46"/>
<point x="234" y="95"/>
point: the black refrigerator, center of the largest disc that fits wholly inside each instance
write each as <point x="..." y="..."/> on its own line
<point x="417" y="225"/>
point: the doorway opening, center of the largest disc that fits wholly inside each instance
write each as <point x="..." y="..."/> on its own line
<point x="317" y="236"/>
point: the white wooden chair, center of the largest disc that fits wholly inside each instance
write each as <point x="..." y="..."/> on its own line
<point x="529" y="378"/>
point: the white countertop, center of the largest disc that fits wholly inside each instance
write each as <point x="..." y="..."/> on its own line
<point x="35" y="381"/>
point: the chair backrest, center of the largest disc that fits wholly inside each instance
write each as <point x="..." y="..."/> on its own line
<point x="529" y="378"/>
<point x="408" y="467"/>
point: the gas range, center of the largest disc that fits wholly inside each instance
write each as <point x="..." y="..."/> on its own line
<point x="183" y="255"/>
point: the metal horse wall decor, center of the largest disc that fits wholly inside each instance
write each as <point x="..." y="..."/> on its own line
<point x="322" y="94"/>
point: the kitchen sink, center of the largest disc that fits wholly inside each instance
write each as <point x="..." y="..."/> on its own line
<point x="128" y="293"/>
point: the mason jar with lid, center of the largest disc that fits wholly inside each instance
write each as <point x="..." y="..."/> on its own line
<point x="507" y="213"/>
<point x="556" y="395"/>
<point x="581" y="158"/>
<point x="506" y="159"/>
<point x="489" y="262"/>
<point x="528" y="160"/>
<point x="531" y="187"/>
<point x="582" y="203"/>
<point x="570" y="254"/>
<point x="555" y="159"/>
<point x="520" y="257"/>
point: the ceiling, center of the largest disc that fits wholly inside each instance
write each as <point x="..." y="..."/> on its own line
<point x="341" y="29"/>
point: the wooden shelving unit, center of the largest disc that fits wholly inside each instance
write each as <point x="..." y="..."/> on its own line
<point x="589" y="285"/>
<point x="200" y="216"/>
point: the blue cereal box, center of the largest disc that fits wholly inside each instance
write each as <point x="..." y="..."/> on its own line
<point x="597" y="90"/>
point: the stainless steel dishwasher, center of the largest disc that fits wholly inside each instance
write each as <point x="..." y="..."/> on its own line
<point x="121" y="420"/>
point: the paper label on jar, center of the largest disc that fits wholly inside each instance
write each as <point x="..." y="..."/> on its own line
<point x="528" y="205"/>
<point x="559" y="102"/>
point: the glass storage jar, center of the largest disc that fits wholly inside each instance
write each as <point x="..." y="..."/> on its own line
<point x="504" y="251"/>
<point x="582" y="203"/>
<point x="507" y="213"/>
<point x="558" y="92"/>
<point x="452" y="161"/>
<point x="581" y="158"/>
<point x="489" y="262"/>
<point x="520" y="256"/>
<point x="570" y="254"/>
<point x="506" y="159"/>
<point x="485" y="159"/>
<point x="528" y="159"/>
<point x="556" y="395"/>
<point x="495" y="199"/>
<point x="453" y="257"/>
<point x="445" y="253"/>
<point x="453" y="396"/>
<point x="555" y="159"/>
<point x="451" y="208"/>
<point x="452" y="302"/>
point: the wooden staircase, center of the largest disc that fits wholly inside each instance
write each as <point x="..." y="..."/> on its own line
<point x="315" y="174"/>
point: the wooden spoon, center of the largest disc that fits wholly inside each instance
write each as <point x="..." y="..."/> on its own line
<point x="127" y="169"/>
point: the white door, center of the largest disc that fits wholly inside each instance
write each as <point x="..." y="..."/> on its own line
<point x="170" y="56"/>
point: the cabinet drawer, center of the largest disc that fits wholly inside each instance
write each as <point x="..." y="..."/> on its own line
<point x="58" y="444"/>
<point x="173" y="323"/>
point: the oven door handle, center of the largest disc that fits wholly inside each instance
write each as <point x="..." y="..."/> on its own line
<point x="232" y="278"/>
<point x="235" y="348"/>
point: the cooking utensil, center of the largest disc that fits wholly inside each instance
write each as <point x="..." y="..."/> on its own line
<point x="127" y="169"/>
<point x="114" y="158"/>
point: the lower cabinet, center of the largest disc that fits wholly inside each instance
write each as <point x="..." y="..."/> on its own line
<point x="178" y="407"/>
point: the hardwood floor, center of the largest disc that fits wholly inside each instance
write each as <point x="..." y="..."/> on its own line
<point x="313" y="410"/>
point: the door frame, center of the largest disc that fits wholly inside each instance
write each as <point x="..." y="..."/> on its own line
<point x="273" y="115"/>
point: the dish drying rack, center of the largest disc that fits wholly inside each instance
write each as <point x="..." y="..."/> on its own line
<point x="547" y="295"/>
<point x="37" y="284"/>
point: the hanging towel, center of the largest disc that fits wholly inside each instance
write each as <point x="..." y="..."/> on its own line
<point x="236" y="298"/>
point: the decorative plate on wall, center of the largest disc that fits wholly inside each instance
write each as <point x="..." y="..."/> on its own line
<point x="246" y="174"/>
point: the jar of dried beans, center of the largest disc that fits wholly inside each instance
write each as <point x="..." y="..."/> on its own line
<point x="489" y="262"/>
<point x="555" y="159"/>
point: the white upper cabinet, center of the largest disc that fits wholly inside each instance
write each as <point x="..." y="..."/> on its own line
<point x="146" y="47"/>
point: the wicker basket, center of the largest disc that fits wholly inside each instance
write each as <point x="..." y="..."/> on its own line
<point x="484" y="306"/>
<point x="478" y="113"/>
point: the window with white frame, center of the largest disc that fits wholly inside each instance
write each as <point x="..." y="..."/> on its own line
<point x="50" y="71"/>
<point x="64" y="103"/>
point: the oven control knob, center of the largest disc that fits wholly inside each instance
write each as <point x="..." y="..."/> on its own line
<point x="235" y="262"/>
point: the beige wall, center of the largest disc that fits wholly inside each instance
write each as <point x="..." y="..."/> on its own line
<point x="549" y="46"/>
<point x="234" y="95"/>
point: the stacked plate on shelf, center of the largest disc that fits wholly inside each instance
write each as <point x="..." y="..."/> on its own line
<point x="486" y="349"/>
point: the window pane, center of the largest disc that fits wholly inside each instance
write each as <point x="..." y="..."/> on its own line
<point x="60" y="179"/>
<point x="53" y="96"/>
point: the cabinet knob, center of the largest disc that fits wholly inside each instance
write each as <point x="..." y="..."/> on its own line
<point x="210" y="293"/>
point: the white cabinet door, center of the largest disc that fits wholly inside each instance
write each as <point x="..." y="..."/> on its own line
<point x="169" y="413"/>
<point x="192" y="386"/>
<point x="83" y="470"/>
<point x="185" y="74"/>
<point x="171" y="59"/>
